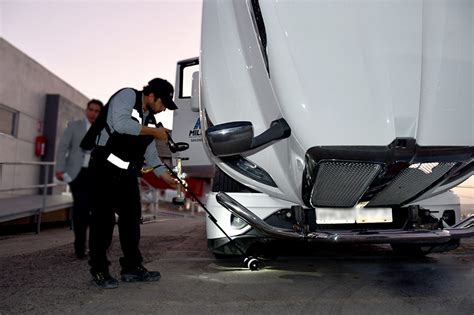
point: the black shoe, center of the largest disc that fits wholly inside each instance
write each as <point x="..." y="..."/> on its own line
<point x="140" y="273"/>
<point x="104" y="280"/>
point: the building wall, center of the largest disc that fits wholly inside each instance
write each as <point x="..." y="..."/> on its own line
<point x="24" y="87"/>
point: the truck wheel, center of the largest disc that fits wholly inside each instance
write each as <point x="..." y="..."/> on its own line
<point x="252" y="263"/>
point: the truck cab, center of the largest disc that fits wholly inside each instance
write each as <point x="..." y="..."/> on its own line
<point x="343" y="119"/>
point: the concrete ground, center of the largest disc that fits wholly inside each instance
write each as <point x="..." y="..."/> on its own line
<point x="39" y="274"/>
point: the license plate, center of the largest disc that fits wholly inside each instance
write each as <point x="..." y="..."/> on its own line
<point x="353" y="215"/>
<point x="374" y="215"/>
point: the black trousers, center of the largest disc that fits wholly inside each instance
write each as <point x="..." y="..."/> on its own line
<point x="115" y="191"/>
<point x="81" y="194"/>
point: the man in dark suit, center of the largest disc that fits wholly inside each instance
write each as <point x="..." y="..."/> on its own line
<point x="72" y="167"/>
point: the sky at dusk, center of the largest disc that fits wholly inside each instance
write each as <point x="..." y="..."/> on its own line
<point x="101" y="46"/>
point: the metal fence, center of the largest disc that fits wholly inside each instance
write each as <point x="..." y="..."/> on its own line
<point x="47" y="169"/>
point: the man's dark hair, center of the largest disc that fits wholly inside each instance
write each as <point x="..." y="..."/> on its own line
<point x="147" y="89"/>
<point x="95" y="101"/>
<point x="161" y="89"/>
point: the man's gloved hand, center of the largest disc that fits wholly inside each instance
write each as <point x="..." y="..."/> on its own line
<point x="170" y="180"/>
<point x="161" y="134"/>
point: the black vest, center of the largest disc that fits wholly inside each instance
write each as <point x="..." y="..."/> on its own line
<point x="129" y="148"/>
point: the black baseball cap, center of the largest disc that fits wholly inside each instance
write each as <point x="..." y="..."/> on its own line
<point x="162" y="89"/>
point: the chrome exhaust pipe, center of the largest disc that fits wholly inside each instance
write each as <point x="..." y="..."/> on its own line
<point x="464" y="228"/>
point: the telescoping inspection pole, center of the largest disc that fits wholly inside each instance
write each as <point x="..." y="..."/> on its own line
<point x="251" y="262"/>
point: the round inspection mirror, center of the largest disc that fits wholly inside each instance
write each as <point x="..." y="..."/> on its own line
<point x="178" y="146"/>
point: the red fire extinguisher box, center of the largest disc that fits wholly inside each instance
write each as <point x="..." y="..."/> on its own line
<point x="40" y="145"/>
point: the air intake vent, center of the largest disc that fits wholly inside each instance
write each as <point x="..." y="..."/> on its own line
<point x="410" y="182"/>
<point x="341" y="184"/>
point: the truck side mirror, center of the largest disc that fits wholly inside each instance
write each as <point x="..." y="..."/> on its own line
<point x="195" y="92"/>
<point x="230" y="138"/>
<point x="236" y="137"/>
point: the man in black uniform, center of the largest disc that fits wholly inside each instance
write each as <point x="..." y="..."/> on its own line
<point x="122" y="141"/>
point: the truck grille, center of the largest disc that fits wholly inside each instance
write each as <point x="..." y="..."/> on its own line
<point x="342" y="184"/>
<point x="379" y="176"/>
<point x="410" y="182"/>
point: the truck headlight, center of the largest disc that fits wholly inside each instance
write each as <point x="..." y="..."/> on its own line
<point x="249" y="169"/>
<point x="236" y="222"/>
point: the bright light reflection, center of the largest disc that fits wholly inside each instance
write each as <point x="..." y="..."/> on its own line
<point x="426" y="168"/>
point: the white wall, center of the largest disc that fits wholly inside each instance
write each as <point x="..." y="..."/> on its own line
<point x="24" y="84"/>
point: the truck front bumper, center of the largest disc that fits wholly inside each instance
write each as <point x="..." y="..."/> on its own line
<point x="460" y="230"/>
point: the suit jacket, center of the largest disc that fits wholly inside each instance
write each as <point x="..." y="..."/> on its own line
<point x="70" y="157"/>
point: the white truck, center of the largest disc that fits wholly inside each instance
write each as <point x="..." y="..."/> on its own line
<point x="363" y="112"/>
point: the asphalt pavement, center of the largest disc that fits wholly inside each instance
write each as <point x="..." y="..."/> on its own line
<point x="40" y="275"/>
